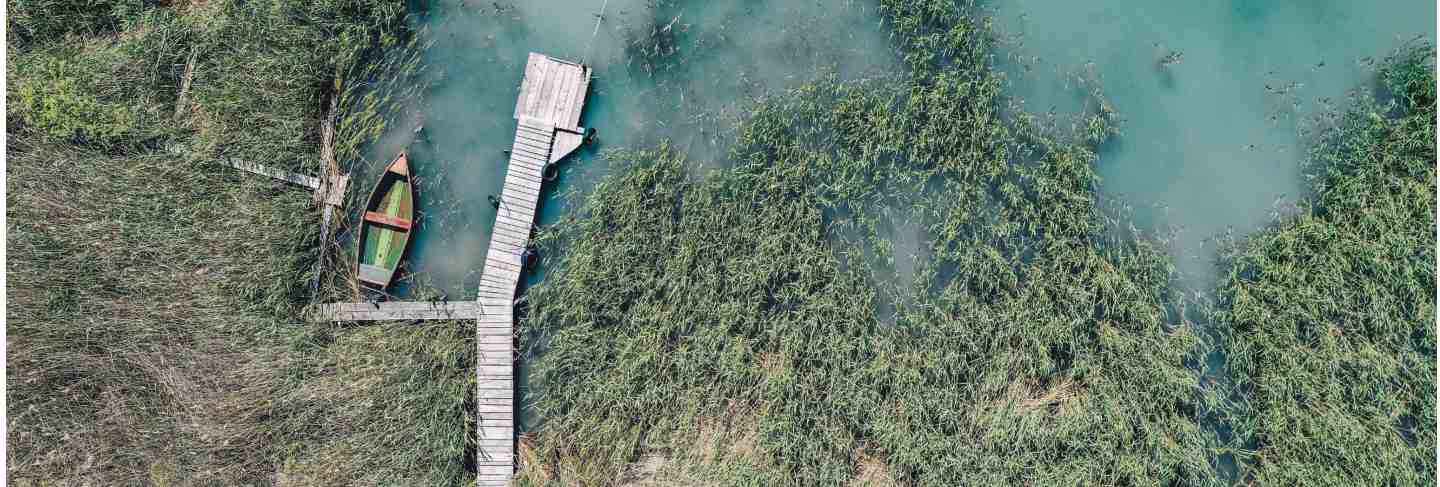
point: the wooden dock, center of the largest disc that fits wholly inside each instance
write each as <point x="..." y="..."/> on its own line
<point x="552" y="96"/>
<point x="398" y="311"/>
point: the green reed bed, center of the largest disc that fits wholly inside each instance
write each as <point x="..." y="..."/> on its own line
<point x="1330" y="314"/>
<point x="725" y="329"/>
<point x="748" y="327"/>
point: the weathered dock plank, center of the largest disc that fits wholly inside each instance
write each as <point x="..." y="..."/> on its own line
<point x="565" y="143"/>
<point x="311" y="182"/>
<point x="397" y="311"/>
<point x="552" y="96"/>
<point x="553" y="92"/>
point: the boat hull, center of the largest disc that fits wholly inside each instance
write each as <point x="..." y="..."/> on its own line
<point x="386" y="226"/>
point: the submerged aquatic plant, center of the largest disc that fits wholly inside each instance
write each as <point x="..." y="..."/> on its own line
<point x="1172" y="58"/>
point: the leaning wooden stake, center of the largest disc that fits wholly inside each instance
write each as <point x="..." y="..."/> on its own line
<point x="332" y="193"/>
<point x="182" y="99"/>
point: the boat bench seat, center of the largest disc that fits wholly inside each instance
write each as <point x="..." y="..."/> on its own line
<point x="387" y="220"/>
<point x="376" y="275"/>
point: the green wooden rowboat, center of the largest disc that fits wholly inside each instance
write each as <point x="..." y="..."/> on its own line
<point x="385" y="228"/>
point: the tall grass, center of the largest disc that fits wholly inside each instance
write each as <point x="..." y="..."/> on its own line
<point x="41" y="21"/>
<point x="154" y="293"/>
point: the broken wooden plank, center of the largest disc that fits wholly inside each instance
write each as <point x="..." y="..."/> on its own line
<point x="397" y="311"/>
<point x="311" y="182"/>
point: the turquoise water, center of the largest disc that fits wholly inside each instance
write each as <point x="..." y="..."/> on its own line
<point x="682" y="72"/>
<point x="1212" y="139"/>
<point x="1212" y="142"/>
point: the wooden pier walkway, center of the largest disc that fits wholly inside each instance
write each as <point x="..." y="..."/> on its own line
<point x="552" y="96"/>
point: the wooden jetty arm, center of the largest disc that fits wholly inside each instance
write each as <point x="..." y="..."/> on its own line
<point x="397" y="311"/>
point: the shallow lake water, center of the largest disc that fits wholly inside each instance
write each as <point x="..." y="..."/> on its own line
<point x="1212" y="94"/>
<point x="1215" y="97"/>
